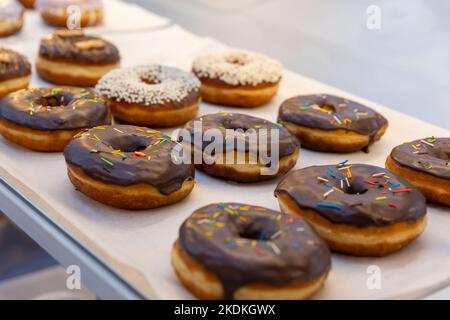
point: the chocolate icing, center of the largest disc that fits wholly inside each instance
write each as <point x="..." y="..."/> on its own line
<point x="75" y="46"/>
<point x="431" y="157"/>
<point x="128" y="155"/>
<point x="222" y="121"/>
<point x="362" y="204"/>
<point x="62" y="108"/>
<point x="244" y="245"/>
<point x="13" y="65"/>
<point x="319" y="111"/>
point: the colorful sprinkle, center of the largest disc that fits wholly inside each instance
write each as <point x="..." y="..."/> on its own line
<point x="275" y="248"/>
<point x="107" y="162"/>
<point x="140" y="154"/>
<point x="329" y="205"/>
<point x="427" y="143"/>
<point x="402" y="190"/>
<point x="326" y="194"/>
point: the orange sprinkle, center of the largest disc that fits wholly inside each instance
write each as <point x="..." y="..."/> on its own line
<point x="140" y="154"/>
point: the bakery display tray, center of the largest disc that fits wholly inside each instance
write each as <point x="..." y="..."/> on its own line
<point x="136" y="245"/>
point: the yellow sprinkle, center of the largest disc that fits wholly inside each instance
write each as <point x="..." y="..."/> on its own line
<point x="381" y="198"/>
<point x="216" y="214"/>
<point x="220" y="224"/>
<point x="321" y="109"/>
<point x="230" y="211"/>
<point x="116" y="151"/>
<point x="253" y="243"/>
<point x="339" y="190"/>
<point x="149" y="157"/>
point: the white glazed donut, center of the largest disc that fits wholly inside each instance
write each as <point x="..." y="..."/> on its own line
<point x="237" y="77"/>
<point x="11" y="17"/>
<point x="57" y="12"/>
<point x="151" y="95"/>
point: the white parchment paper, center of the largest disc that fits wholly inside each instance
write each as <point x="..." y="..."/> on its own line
<point x="143" y="239"/>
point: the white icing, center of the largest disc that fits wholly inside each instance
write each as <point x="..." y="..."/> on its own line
<point x="238" y="67"/>
<point x="171" y="84"/>
<point x="10" y="10"/>
<point x="62" y="5"/>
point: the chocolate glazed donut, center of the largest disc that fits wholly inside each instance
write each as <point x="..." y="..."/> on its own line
<point x="426" y="164"/>
<point x="15" y="71"/>
<point x="288" y="146"/>
<point x="359" y="209"/>
<point x="70" y="57"/>
<point x="46" y="119"/>
<point x="128" y="167"/>
<point x="239" y="251"/>
<point x="331" y="124"/>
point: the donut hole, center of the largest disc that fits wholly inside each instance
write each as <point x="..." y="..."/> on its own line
<point x="357" y="186"/>
<point x="129" y="143"/>
<point x="150" y="81"/>
<point x="54" y="101"/>
<point x="440" y="153"/>
<point x="236" y="125"/>
<point x="236" y="60"/>
<point x="258" y="230"/>
<point x="328" y="108"/>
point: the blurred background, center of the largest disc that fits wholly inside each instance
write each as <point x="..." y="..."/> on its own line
<point x="402" y="65"/>
<point x="394" y="52"/>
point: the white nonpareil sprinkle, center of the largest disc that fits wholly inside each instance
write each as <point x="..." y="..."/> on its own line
<point x="238" y="67"/>
<point x="148" y="84"/>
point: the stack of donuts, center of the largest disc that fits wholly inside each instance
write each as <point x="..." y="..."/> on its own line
<point x="103" y="118"/>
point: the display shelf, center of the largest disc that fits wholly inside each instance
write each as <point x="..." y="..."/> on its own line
<point x="126" y="254"/>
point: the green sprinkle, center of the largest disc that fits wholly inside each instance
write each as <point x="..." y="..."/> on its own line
<point x="107" y="161"/>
